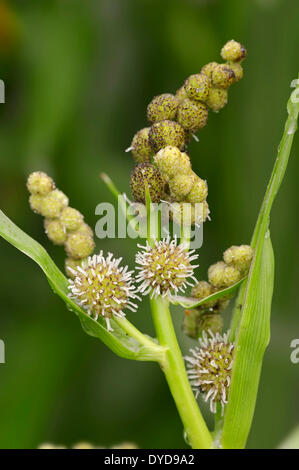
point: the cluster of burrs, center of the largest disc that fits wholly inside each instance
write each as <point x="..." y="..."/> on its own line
<point x="221" y="275"/>
<point x="161" y="149"/>
<point x="63" y="224"/>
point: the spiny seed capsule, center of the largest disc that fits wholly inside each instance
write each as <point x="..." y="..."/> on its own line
<point x="210" y="366"/>
<point x="51" y="206"/>
<point x="237" y="69"/>
<point x="55" y="231"/>
<point x="203" y="289"/>
<point x="140" y="146"/>
<point x="181" y="94"/>
<point x="192" y="115"/>
<point x="208" y="69"/>
<point x="171" y="161"/>
<point x="146" y="174"/>
<point x="217" y="99"/>
<point x="61" y="197"/>
<point x="71" y="265"/>
<point x="198" y="86"/>
<point x="195" y="322"/>
<point x="71" y="218"/>
<point x="180" y="185"/>
<point x="84" y="228"/>
<point x="79" y="245"/>
<point x="164" y="268"/>
<point x="166" y="133"/>
<point x="162" y="107"/>
<point x="103" y="288"/>
<point x="222" y="76"/>
<point x="233" y="51"/>
<point x="239" y="256"/>
<point x="40" y="183"/>
<point x="199" y="191"/>
<point x="35" y="202"/>
<point x="221" y="275"/>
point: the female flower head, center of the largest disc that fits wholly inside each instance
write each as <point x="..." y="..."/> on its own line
<point x="210" y="368"/>
<point x="164" y="268"/>
<point x="103" y="288"/>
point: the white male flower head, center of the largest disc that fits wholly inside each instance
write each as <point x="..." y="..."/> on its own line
<point x="209" y="368"/>
<point x="164" y="268"/>
<point x="103" y="288"/>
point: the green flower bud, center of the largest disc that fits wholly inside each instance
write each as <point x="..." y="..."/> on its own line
<point x="71" y="218"/>
<point x="181" y="94"/>
<point x="84" y="228"/>
<point x="141" y="148"/>
<point x="143" y="174"/>
<point x="61" y="197"/>
<point x="79" y="245"/>
<point x="162" y="107"/>
<point x="222" y="76"/>
<point x="192" y="115"/>
<point x="171" y="161"/>
<point x="233" y="51"/>
<point x="51" y="206"/>
<point x="35" y="202"/>
<point x="186" y="214"/>
<point x="195" y="322"/>
<point x="166" y="133"/>
<point x="71" y="265"/>
<point x="237" y="69"/>
<point x="239" y="256"/>
<point x="198" y="86"/>
<point x="180" y="185"/>
<point x="40" y="183"/>
<point x="199" y="191"/>
<point x="55" y="231"/>
<point x="217" y="99"/>
<point x="208" y="69"/>
<point x="221" y="275"/>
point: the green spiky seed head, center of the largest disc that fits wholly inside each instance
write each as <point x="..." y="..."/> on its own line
<point x="71" y="218"/>
<point x="237" y="69"/>
<point x="180" y="185"/>
<point x="71" y="265"/>
<point x="36" y="202"/>
<point x="195" y="322"/>
<point x="171" y="162"/>
<point x="198" y="86"/>
<point x="217" y="99"/>
<point x="199" y="191"/>
<point x="146" y="174"/>
<point x="84" y="228"/>
<point x="162" y="107"/>
<point x="192" y="115"/>
<point x="208" y="69"/>
<point x="166" y="133"/>
<point x="201" y="290"/>
<point x="181" y="94"/>
<point x="221" y="275"/>
<point x="222" y="76"/>
<point x="51" y="206"/>
<point x="55" y="231"/>
<point x="239" y="256"/>
<point x="40" y="183"/>
<point x="61" y="197"/>
<point x="141" y="148"/>
<point x="233" y="51"/>
<point x="79" y="245"/>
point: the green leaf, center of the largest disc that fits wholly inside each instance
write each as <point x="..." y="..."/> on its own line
<point x="118" y="341"/>
<point x="253" y="338"/>
<point x="191" y="302"/>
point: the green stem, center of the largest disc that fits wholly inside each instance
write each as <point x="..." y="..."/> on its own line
<point x="174" y="369"/>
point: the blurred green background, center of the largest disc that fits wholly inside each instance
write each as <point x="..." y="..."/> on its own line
<point x="78" y="78"/>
